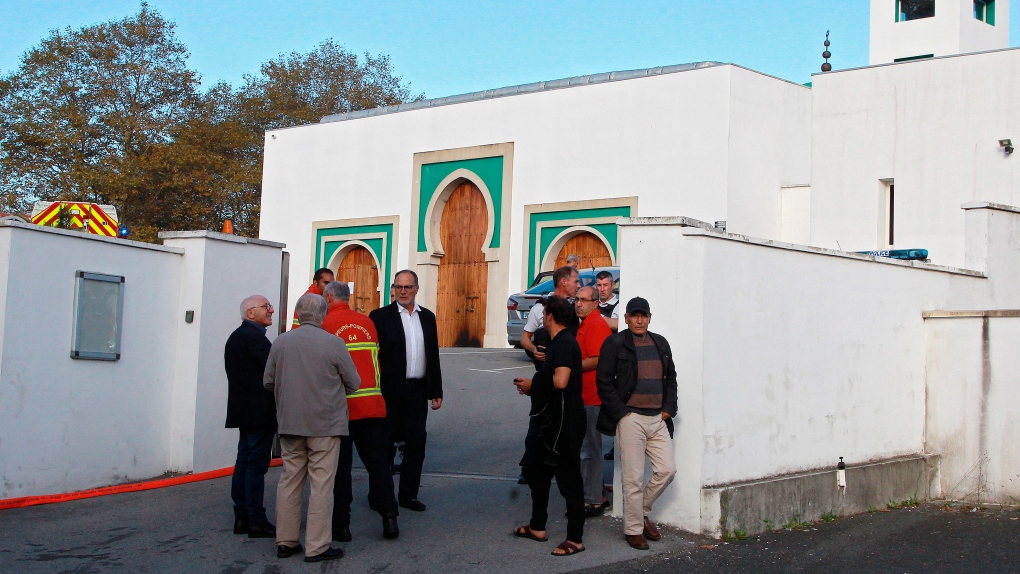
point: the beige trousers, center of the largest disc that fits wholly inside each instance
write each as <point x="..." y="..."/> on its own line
<point x="313" y="457"/>
<point x="637" y="436"/>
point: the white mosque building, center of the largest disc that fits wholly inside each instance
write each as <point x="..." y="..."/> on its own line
<point x="480" y="192"/>
<point x="734" y="201"/>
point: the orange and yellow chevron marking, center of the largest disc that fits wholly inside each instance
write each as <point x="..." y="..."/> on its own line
<point x="99" y="222"/>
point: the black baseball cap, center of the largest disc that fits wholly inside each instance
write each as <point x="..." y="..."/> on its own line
<point x="638" y="305"/>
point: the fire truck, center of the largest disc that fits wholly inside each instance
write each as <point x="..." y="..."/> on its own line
<point x="89" y="217"/>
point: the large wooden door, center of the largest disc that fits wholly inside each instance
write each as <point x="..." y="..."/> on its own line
<point x="463" y="271"/>
<point x="589" y="248"/>
<point x="359" y="266"/>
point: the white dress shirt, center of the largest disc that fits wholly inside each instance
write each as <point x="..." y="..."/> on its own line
<point x="414" y="345"/>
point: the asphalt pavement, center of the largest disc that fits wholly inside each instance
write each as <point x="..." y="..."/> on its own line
<point x="474" y="444"/>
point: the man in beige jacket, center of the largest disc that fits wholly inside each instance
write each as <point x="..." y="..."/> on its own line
<point x="310" y="372"/>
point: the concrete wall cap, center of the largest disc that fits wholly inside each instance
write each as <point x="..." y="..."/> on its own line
<point x="990" y="205"/>
<point x="909" y="62"/>
<point x="220" y="237"/>
<point x="676" y="220"/>
<point x="90" y="237"/>
<point x="971" y="314"/>
<point x="694" y="227"/>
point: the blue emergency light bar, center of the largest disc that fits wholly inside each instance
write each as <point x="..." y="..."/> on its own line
<point x="906" y="254"/>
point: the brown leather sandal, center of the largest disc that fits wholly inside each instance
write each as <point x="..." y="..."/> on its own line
<point x="569" y="549"/>
<point x="527" y="532"/>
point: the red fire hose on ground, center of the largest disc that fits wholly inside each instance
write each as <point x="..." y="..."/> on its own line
<point x="119" y="489"/>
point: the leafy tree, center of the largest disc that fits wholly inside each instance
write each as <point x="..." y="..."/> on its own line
<point x="111" y="113"/>
<point x="87" y="109"/>
<point x="296" y="89"/>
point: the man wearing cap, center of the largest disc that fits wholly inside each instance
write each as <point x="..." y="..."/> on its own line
<point x="636" y="380"/>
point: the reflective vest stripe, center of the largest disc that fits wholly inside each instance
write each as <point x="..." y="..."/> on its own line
<point x="375" y="390"/>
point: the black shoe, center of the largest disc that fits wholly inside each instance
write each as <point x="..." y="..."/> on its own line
<point x="287" y="551"/>
<point x="330" y="554"/>
<point x="413" y="504"/>
<point x="263" y="530"/>
<point x="389" y="527"/>
<point x="521" y="479"/>
<point x="609" y="455"/>
<point x="241" y="526"/>
<point x="342" y="533"/>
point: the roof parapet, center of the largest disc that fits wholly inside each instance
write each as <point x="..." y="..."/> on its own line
<point x="531" y="88"/>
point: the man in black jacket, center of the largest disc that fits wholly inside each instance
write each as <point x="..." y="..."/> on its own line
<point x="636" y="381"/>
<point x="410" y="376"/>
<point x="252" y="410"/>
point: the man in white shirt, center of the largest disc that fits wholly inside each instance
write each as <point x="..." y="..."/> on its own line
<point x="608" y="302"/>
<point x="410" y="377"/>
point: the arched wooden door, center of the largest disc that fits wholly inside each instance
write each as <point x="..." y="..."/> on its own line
<point x="359" y="266"/>
<point x="463" y="271"/>
<point x="592" y="251"/>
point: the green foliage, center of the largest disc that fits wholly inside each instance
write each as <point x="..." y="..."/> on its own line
<point x="87" y="109"/>
<point x="735" y="536"/>
<point x="908" y="503"/>
<point x="828" y="517"/>
<point x="795" y="523"/>
<point x="110" y="113"/>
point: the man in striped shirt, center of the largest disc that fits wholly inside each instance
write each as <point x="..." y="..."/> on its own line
<point x="636" y="380"/>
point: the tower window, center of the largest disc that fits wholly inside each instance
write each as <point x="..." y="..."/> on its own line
<point x="915" y="9"/>
<point x="984" y="10"/>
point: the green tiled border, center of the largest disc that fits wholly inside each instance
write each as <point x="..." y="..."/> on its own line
<point x="488" y="169"/>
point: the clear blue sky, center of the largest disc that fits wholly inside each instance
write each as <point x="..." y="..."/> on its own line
<point x="451" y="47"/>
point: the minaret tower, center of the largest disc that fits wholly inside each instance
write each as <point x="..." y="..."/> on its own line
<point x="914" y="29"/>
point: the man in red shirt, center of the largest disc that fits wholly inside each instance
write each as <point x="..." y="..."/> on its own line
<point x="367" y="418"/>
<point x="592" y="332"/>
<point x="321" y="278"/>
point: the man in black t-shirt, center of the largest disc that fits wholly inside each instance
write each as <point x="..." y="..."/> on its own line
<point x="557" y="405"/>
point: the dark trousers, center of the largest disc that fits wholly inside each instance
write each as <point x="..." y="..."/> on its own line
<point x="370" y="438"/>
<point x="566" y="468"/>
<point x="531" y="441"/>
<point x="248" y="485"/>
<point x="406" y="415"/>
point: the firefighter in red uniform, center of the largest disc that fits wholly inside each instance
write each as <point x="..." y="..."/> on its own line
<point x="367" y="418"/>
<point x="321" y="278"/>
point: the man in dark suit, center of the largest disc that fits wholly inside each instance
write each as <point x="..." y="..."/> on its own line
<point x="410" y="377"/>
<point x="252" y="410"/>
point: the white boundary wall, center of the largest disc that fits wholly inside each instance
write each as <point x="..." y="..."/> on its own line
<point x="789" y="357"/>
<point x="162" y="405"/>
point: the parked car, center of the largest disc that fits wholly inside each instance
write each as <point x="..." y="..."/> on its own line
<point x="541" y="278"/>
<point x="519" y="305"/>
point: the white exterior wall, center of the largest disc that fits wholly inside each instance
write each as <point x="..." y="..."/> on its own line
<point x="933" y="126"/>
<point x="162" y="405"/>
<point x="219" y="273"/>
<point x="769" y="147"/>
<point x="972" y="419"/>
<point x="790" y="357"/>
<point x="70" y="424"/>
<point x="683" y="142"/>
<point x="953" y="30"/>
